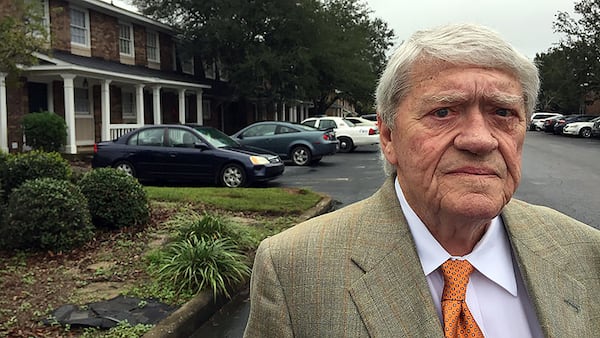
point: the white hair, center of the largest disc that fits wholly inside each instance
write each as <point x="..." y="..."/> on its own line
<point x="460" y="44"/>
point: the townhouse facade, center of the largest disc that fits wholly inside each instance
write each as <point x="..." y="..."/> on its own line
<point x="110" y="70"/>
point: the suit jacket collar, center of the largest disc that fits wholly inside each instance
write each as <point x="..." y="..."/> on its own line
<point x="556" y="296"/>
<point x="393" y="297"/>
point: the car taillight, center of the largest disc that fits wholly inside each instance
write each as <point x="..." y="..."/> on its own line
<point x="373" y="131"/>
<point x="95" y="148"/>
<point x="326" y="137"/>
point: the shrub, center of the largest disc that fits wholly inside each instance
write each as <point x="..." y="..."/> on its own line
<point x="45" y="131"/>
<point x="198" y="263"/>
<point x="35" y="164"/>
<point x="3" y="165"/>
<point x="46" y="214"/>
<point x="209" y="226"/>
<point x="115" y="199"/>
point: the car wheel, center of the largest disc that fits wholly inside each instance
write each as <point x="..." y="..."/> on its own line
<point x="233" y="176"/>
<point x="125" y="167"/>
<point x="301" y="155"/>
<point x="346" y="144"/>
<point x="586" y="132"/>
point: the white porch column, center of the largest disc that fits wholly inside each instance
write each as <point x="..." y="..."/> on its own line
<point x="199" y="107"/>
<point x="283" y="112"/>
<point x="156" y="104"/>
<point x="3" y="114"/>
<point x="139" y="104"/>
<point x="295" y="113"/>
<point x="276" y="112"/>
<point x="181" y="106"/>
<point x="50" y="97"/>
<point x="71" y="146"/>
<point x="105" y="107"/>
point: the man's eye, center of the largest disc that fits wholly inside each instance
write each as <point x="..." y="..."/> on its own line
<point x="503" y="112"/>
<point x="444" y="112"/>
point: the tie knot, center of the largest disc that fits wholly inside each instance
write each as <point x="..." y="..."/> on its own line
<point x="456" y="276"/>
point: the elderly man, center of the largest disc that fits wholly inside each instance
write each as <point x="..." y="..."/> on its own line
<point x="441" y="249"/>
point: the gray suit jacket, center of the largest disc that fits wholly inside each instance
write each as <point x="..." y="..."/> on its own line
<point x="355" y="273"/>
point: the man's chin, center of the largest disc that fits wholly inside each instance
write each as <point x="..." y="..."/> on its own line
<point x="476" y="206"/>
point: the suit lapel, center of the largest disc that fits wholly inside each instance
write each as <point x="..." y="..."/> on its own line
<point x="557" y="297"/>
<point x="392" y="296"/>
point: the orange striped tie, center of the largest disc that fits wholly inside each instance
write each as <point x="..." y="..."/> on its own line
<point x="458" y="320"/>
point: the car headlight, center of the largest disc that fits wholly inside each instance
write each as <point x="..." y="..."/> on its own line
<point x="258" y="160"/>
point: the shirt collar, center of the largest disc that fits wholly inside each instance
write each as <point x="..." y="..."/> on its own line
<point x="492" y="255"/>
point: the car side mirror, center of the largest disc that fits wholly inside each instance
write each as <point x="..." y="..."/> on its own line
<point x="201" y="145"/>
<point x="240" y="136"/>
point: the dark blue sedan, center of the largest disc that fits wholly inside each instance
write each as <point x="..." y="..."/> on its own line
<point x="182" y="153"/>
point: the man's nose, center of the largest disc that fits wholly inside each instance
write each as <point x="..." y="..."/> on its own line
<point x="476" y="134"/>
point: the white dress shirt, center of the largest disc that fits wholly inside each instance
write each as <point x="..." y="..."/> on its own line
<point x="496" y="295"/>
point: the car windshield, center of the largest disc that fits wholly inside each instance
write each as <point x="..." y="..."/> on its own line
<point x="216" y="138"/>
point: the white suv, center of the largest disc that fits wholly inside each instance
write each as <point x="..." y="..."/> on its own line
<point x="582" y="129"/>
<point x="540" y="116"/>
<point x="349" y="135"/>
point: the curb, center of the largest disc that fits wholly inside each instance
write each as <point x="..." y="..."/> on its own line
<point x="191" y="315"/>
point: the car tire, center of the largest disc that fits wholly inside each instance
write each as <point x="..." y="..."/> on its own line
<point x="233" y="176"/>
<point x="585" y="132"/>
<point x="301" y="156"/>
<point x="126" y="167"/>
<point x="346" y="144"/>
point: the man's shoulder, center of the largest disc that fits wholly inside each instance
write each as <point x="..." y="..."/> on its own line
<point x="521" y="216"/>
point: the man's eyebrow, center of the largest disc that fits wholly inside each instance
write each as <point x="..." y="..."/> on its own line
<point x="498" y="98"/>
<point x="504" y="99"/>
<point x="447" y="97"/>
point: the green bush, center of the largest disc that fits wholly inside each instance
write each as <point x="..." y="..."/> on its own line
<point x="35" y="164"/>
<point x="46" y="214"/>
<point x="115" y="199"/>
<point x="210" y="226"/>
<point x="199" y="263"/>
<point x="45" y="131"/>
<point x="3" y="165"/>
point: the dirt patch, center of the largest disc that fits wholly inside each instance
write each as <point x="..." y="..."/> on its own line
<point x="33" y="284"/>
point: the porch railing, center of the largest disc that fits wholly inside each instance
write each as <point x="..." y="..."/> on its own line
<point x="117" y="130"/>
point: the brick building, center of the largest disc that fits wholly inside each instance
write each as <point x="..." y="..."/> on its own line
<point x="108" y="71"/>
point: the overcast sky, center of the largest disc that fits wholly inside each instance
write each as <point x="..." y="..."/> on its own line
<point x="527" y="24"/>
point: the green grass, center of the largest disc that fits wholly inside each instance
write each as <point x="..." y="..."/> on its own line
<point x="270" y="200"/>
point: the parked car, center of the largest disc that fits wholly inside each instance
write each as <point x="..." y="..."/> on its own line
<point x="370" y="117"/>
<point x="548" y="124"/>
<point x="183" y="153"/>
<point x="360" y="121"/>
<point x="301" y="144"/>
<point x="561" y="122"/>
<point x="349" y="135"/>
<point x="535" y="117"/>
<point x="596" y="129"/>
<point x="583" y="129"/>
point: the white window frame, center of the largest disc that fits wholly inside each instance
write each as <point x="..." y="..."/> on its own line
<point x="210" y="70"/>
<point x="125" y="41"/>
<point x="86" y="28"/>
<point x="187" y="66"/>
<point x="82" y="105"/>
<point x="155" y="47"/>
<point x="128" y="109"/>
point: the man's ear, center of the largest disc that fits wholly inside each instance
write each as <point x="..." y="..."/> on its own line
<point x="386" y="141"/>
